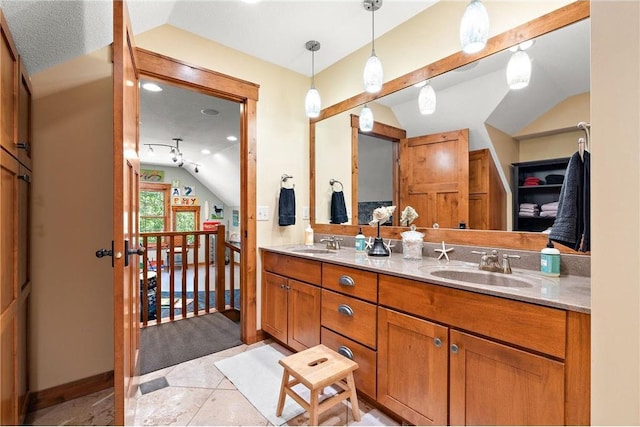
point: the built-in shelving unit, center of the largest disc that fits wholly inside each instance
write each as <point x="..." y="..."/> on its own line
<point x="538" y="194"/>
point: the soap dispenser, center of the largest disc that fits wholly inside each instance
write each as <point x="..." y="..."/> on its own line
<point x="308" y="235"/>
<point x="361" y="244"/>
<point x="550" y="260"/>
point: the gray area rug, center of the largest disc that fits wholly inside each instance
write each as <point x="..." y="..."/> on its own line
<point x="168" y="344"/>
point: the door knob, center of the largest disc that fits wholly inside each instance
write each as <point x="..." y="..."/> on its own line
<point x="128" y="251"/>
<point x="105" y="252"/>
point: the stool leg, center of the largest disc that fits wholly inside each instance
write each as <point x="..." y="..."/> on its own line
<point x="285" y="379"/>
<point x="354" y="397"/>
<point x="313" y="408"/>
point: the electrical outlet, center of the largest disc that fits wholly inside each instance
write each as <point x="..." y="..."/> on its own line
<point x="262" y="213"/>
<point x="305" y="212"/>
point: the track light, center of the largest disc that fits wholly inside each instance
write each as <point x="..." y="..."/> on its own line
<point x="174" y="151"/>
<point x="196" y="169"/>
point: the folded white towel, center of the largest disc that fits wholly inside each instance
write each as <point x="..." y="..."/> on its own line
<point x="550" y="206"/>
<point x="529" y="210"/>
<point x="527" y="214"/>
<point x="528" y="205"/>
<point x="549" y="214"/>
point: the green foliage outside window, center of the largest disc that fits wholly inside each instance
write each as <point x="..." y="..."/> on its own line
<point x="151" y="213"/>
<point x="186" y="221"/>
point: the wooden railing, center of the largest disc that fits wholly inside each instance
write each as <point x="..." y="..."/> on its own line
<point x="234" y="252"/>
<point x="182" y="246"/>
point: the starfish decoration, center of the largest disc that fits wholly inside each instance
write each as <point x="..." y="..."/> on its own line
<point x="444" y="251"/>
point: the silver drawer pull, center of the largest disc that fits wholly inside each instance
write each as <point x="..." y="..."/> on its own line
<point x="454" y="349"/>
<point x="345" y="351"/>
<point x="437" y="342"/>
<point x="345" y="309"/>
<point x="346" y="281"/>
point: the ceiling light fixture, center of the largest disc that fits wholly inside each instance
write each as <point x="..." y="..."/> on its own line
<point x="209" y="112"/>
<point x="519" y="70"/>
<point x="174" y="150"/>
<point x="366" y="119"/>
<point x="312" y="100"/>
<point x="427" y="100"/>
<point x="474" y="28"/>
<point x="205" y="151"/>
<point x="231" y="138"/>
<point x="373" y="74"/>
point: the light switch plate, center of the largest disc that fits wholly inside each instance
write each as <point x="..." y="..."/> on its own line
<point x="305" y="212"/>
<point x="262" y="213"/>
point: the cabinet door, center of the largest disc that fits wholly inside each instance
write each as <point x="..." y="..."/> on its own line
<point x="9" y="203"/>
<point x="493" y="384"/>
<point x="303" y="315"/>
<point x="274" y="305"/>
<point x="24" y="142"/>
<point x="478" y="212"/>
<point x="413" y="367"/>
<point x="23" y="287"/>
<point x="8" y="88"/>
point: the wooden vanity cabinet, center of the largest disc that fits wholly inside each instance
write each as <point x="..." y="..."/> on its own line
<point x="505" y="362"/>
<point x="290" y="307"/>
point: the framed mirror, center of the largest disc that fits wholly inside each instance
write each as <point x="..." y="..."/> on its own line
<point x="472" y="94"/>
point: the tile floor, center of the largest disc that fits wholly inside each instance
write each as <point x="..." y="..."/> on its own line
<point x="192" y="393"/>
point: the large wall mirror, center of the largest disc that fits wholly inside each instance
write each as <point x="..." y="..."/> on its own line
<point x="534" y="123"/>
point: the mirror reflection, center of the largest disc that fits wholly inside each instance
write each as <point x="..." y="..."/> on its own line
<point x="504" y="126"/>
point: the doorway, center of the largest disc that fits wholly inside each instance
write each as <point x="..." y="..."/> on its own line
<point x="243" y="95"/>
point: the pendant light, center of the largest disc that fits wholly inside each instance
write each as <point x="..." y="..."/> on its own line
<point x="519" y="67"/>
<point x="372" y="74"/>
<point x="312" y="100"/>
<point x="474" y="28"/>
<point x="366" y="119"/>
<point x="427" y="100"/>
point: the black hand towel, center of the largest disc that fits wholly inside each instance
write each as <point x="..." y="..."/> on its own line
<point x="287" y="207"/>
<point x="569" y="225"/>
<point x="338" y="208"/>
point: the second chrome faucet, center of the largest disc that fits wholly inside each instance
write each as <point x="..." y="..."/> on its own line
<point x="491" y="262"/>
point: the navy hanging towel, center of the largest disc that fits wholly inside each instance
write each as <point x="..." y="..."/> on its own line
<point x="287" y="207"/>
<point x="338" y="208"/>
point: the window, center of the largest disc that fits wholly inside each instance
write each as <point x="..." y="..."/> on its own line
<point x="154" y="208"/>
<point x="186" y="218"/>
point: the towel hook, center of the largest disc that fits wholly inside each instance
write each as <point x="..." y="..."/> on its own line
<point x="583" y="143"/>
<point x="335" y="181"/>
<point x="284" y="179"/>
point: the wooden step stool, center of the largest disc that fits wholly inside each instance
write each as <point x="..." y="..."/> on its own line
<point x="318" y="367"/>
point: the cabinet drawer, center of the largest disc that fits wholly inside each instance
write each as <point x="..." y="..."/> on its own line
<point x="527" y="325"/>
<point x="302" y="269"/>
<point x="365" y="375"/>
<point x="350" y="317"/>
<point x="350" y="281"/>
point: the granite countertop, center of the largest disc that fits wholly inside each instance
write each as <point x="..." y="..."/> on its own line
<point x="565" y="292"/>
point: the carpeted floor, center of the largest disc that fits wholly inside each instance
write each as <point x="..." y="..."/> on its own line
<point x="168" y="344"/>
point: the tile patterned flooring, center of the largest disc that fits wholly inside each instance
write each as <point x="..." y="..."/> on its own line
<point x="193" y="393"/>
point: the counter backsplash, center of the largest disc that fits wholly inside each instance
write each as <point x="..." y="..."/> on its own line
<point x="574" y="265"/>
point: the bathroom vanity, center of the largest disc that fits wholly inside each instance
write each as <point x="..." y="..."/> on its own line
<point x="439" y="342"/>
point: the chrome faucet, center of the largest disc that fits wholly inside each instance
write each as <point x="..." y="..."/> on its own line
<point x="491" y="262"/>
<point x="333" y="242"/>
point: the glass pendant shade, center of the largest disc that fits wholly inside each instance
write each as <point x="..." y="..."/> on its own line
<point x="474" y="28"/>
<point x="427" y="100"/>
<point x="366" y="119"/>
<point x="373" y="74"/>
<point x="312" y="103"/>
<point x="519" y="70"/>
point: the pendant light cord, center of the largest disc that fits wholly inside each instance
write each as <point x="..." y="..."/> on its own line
<point x="373" y="23"/>
<point x="313" y="69"/>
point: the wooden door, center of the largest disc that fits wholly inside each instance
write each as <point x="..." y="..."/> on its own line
<point x="413" y="367"/>
<point x="434" y="178"/>
<point x="274" y="305"/>
<point x="303" y="320"/>
<point x="9" y="303"/>
<point x="493" y="384"/>
<point x="126" y="173"/>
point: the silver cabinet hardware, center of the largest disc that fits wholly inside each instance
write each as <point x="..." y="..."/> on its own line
<point x="346" y="281"/>
<point x="437" y="342"/>
<point x="345" y="351"/>
<point x="454" y="349"/>
<point x="345" y="309"/>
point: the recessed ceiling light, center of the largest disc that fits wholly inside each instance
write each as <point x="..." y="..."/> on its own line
<point x="205" y="151"/>
<point x="152" y="87"/>
<point x="210" y="112"/>
<point x="232" y="138"/>
<point x="250" y="1"/>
